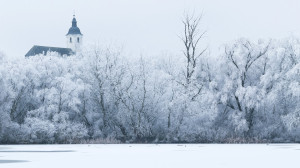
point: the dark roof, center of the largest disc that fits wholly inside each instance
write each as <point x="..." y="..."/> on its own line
<point x="74" y="29"/>
<point x="35" y="50"/>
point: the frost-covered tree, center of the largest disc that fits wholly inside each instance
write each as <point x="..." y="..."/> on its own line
<point x="249" y="93"/>
<point x="239" y="92"/>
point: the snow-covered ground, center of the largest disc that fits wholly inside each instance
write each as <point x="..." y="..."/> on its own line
<point x="150" y="156"/>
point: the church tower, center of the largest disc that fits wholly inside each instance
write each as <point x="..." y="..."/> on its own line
<point x="74" y="37"/>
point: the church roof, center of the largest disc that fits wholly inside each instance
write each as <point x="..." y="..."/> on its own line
<point x="74" y="29"/>
<point x="36" y="50"/>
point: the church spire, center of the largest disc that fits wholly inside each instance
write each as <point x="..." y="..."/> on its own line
<point x="74" y="36"/>
<point x="74" y="29"/>
<point x="74" y="22"/>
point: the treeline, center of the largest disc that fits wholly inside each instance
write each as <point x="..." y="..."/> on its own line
<point x="249" y="93"/>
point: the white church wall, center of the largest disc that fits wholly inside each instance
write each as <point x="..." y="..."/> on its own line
<point x="75" y="44"/>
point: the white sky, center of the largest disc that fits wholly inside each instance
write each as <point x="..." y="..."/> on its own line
<point x="147" y="27"/>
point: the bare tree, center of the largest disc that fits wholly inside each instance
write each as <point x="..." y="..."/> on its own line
<point x="191" y="38"/>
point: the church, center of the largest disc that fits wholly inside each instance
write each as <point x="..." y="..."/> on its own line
<point x="74" y="42"/>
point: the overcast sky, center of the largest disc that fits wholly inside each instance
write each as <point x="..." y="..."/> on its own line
<point x="147" y="27"/>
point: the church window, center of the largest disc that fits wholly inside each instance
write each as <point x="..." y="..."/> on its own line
<point x="70" y="39"/>
<point x="78" y="39"/>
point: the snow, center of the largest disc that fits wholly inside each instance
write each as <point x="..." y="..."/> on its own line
<point x="151" y="156"/>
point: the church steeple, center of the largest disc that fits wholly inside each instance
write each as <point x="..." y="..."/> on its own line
<point x="74" y="36"/>
<point x="74" y="29"/>
<point x="74" y="22"/>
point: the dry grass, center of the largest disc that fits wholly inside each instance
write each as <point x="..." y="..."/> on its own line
<point x="101" y="141"/>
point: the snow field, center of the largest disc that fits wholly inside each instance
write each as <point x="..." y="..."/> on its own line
<point x="151" y="156"/>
